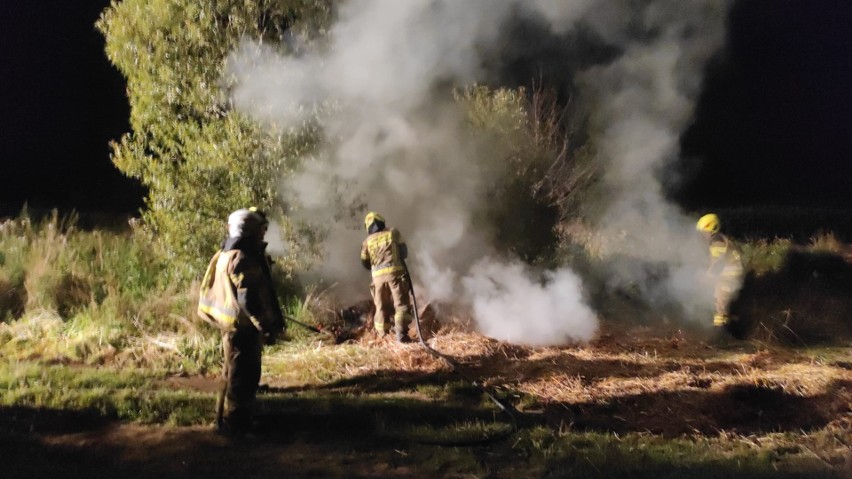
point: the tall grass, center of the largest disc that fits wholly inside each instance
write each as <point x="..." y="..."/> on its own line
<point x="762" y="255"/>
<point x="71" y="295"/>
<point x="105" y="296"/>
<point x="769" y="255"/>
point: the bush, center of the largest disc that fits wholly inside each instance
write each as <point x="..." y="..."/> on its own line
<point x="524" y="138"/>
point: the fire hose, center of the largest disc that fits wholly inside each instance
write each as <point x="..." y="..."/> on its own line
<point x="307" y="326"/>
<point x="505" y="407"/>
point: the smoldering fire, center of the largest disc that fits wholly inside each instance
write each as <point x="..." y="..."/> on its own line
<point x="396" y="143"/>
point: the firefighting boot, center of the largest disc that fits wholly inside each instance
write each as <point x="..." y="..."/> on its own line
<point x="401" y="330"/>
<point x="401" y="322"/>
<point x="721" y="338"/>
<point x="381" y="329"/>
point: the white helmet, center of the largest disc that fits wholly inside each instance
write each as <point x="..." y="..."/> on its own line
<point x="246" y="222"/>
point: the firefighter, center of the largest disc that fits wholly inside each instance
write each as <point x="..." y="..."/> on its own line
<point x="237" y="294"/>
<point x="726" y="268"/>
<point x="383" y="253"/>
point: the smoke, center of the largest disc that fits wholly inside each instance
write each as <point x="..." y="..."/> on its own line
<point x="394" y="141"/>
<point x="512" y="304"/>
<point x="640" y="103"/>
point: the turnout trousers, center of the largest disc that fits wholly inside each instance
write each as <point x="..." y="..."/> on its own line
<point x="391" y="298"/>
<point x="242" y="351"/>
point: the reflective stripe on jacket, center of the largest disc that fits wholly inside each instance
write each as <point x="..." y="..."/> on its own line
<point x="217" y="300"/>
<point x="237" y="291"/>
<point x="725" y="257"/>
<point x="383" y="251"/>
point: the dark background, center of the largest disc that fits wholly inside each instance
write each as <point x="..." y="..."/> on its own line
<point x="62" y="103"/>
<point x="773" y="125"/>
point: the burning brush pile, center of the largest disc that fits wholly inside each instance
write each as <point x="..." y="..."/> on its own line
<point x="355" y="322"/>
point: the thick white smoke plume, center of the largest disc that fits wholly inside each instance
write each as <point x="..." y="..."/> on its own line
<point x="511" y="304"/>
<point x="641" y="103"/>
<point x="395" y="143"/>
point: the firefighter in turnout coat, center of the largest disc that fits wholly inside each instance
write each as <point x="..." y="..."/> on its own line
<point x="726" y="268"/>
<point x="237" y="295"/>
<point x="383" y="253"/>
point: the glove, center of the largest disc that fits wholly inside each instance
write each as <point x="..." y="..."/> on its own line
<point x="270" y="338"/>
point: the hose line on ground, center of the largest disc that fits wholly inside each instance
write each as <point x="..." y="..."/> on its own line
<point x="508" y="409"/>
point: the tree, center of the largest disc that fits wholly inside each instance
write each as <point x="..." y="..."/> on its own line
<point x="198" y="158"/>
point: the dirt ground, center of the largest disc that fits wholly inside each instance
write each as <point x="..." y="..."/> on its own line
<point x="129" y="451"/>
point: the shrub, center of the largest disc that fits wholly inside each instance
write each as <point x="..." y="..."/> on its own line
<point x="523" y="136"/>
<point x="762" y="256"/>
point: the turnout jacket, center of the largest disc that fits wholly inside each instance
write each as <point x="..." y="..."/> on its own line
<point x="725" y="257"/>
<point x="383" y="252"/>
<point x="237" y="289"/>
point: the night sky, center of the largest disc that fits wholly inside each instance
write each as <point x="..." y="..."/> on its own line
<point x="62" y="104"/>
<point x="773" y="125"/>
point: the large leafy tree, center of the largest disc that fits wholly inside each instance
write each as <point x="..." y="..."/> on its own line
<point x="198" y="158"/>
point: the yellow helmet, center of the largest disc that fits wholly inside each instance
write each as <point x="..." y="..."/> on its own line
<point x="371" y="218"/>
<point x="708" y="223"/>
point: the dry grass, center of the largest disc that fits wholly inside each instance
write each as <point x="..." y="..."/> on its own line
<point x="602" y="370"/>
<point x="829" y="243"/>
<point x="632" y="382"/>
<point x="319" y="363"/>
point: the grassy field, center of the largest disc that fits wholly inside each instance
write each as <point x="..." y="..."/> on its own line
<point x="105" y="371"/>
<point x="624" y="406"/>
